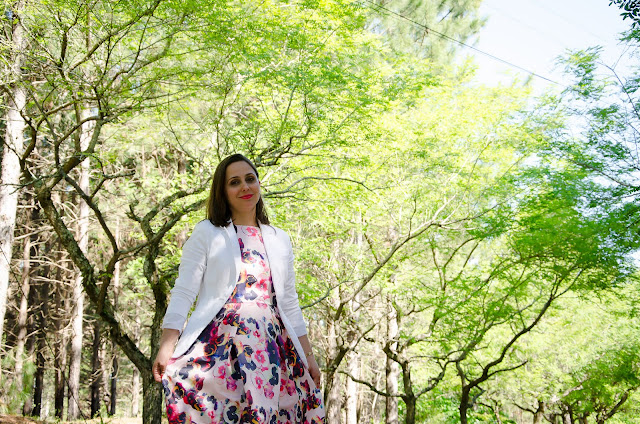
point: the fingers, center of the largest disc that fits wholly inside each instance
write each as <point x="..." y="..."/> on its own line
<point x="315" y="376"/>
<point x="158" y="371"/>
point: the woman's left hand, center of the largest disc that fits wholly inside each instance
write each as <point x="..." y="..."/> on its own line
<point x="314" y="369"/>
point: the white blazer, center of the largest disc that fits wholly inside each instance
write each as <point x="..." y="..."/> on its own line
<point x="209" y="270"/>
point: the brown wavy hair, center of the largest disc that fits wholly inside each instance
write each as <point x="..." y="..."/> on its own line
<point x="218" y="211"/>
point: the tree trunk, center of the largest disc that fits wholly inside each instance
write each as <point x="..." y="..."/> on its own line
<point x="114" y="382"/>
<point x="59" y="318"/>
<point x="353" y="358"/>
<point x="114" y="364"/>
<point x="376" y="368"/>
<point x="410" y="405"/>
<point x="539" y="414"/>
<point x="37" y="300"/>
<point x="332" y="385"/>
<point x="30" y="342"/>
<point x="42" y="317"/>
<point x="38" y="383"/>
<point x="61" y="353"/>
<point x="392" y="370"/>
<point x="78" y="293"/>
<point x="334" y="401"/>
<point x="105" y="371"/>
<point x="25" y="285"/>
<point x="135" y="383"/>
<point x="75" y="360"/>
<point x="135" y="393"/>
<point x="464" y="405"/>
<point x="96" y="369"/>
<point x="518" y="413"/>
<point x="496" y="412"/>
<point x="409" y="398"/>
<point x="10" y="173"/>
<point x="152" y="408"/>
<point x="352" y="389"/>
<point x="60" y="343"/>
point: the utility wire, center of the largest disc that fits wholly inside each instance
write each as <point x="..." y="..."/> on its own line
<point x="520" y="22"/>
<point x="378" y="8"/>
<point x="550" y="9"/>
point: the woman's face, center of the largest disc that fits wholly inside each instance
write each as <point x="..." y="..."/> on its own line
<point x="242" y="188"/>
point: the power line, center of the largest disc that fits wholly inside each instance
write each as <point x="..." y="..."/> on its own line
<point x="550" y="9"/>
<point x="526" y="24"/>
<point x="378" y="8"/>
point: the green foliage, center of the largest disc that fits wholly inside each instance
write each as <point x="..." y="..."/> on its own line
<point x="630" y="9"/>
<point x="470" y="216"/>
<point x="412" y="25"/>
<point x="12" y="405"/>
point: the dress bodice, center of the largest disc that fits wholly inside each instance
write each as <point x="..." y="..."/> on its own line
<point x="254" y="282"/>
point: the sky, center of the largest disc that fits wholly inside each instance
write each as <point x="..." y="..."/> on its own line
<point x="533" y="33"/>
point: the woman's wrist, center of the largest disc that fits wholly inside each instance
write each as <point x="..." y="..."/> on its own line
<point x="169" y="339"/>
<point x="306" y="350"/>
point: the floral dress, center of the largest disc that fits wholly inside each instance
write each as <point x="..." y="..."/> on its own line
<point x="243" y="367"/>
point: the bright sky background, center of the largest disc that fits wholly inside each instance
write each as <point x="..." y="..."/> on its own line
<point x="533" y="33"/>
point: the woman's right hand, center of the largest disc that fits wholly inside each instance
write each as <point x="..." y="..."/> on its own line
<point x="160" y="364"/>
<point x="167" y="344"/>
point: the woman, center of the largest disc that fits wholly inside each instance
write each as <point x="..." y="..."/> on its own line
<point x="244" y="356"/>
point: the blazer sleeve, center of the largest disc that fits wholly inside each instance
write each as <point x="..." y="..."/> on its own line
<point x="190" y="274"/>
<point x="290" y="303"/>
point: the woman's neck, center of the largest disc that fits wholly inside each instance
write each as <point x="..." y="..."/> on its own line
<point x="248" y="220"/>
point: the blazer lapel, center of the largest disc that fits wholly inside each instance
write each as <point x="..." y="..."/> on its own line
<point x="270" y="240"/>
<point x="235" y="248"/>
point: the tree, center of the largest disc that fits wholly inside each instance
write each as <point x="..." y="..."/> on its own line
<point x="631" y="10"/>
<point x="417" y="190"/>
<point x="604" y="105"/>
<point x="426" y="27"/>
<point x="274" y="78"/>
<point x="16" y="94"/>
<point x="559" y="248"/>
<point x="434" y="233"/>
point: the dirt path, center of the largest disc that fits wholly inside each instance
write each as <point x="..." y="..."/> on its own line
<point x="11" y="419"/>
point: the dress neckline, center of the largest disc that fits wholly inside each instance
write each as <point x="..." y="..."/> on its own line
<point x="244" y="227"/>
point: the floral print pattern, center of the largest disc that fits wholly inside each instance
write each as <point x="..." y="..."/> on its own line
<point x="243" y="367"/>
